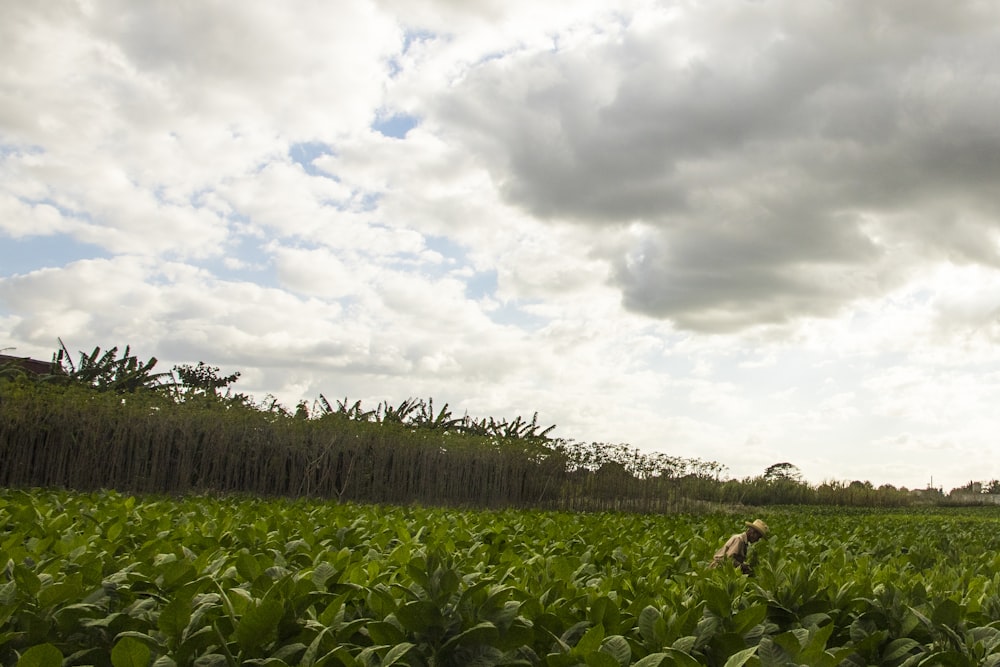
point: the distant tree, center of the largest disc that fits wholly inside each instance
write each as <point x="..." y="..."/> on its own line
<point x="203" y="378"/>
<point x="992" y="487"/>
<point x="204" y="382"/>
<point x="344" y="409"/>
<point x="783" y="472"/>
<point x="613" y="470"/>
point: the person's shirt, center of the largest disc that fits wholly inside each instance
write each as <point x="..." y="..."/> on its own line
<point x="734" y="551"/>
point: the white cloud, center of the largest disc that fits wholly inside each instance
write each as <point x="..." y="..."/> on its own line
<point x="755" y="166"/>
<point x="19" y="218"/>
<point x="749" y="232"/>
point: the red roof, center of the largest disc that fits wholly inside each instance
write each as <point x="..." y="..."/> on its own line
<point x="27" y="364"/>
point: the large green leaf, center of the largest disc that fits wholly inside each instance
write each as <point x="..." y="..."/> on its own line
<point x="604" y="611"/>
<point x="396" y="653"/>
<point x="316" y="648"/>
<point x="419" y="616"/>
<point x="130" y="652"/>
<point x="899" y="650"/>
<point x="27" y="581"/>
<point x="484" y="633"/>
<point x="725" y="644"/>
<point x="745" y="619"/>
<point x="617" y="647"/>
<point x="772" y="654"/>
<point x="600" y="659"/>
<point x="248" y="567"/>
<point x="384" y="632"/>
<point x="947" y="613"/>
<point x="718" y="599"/>
<point x="259" y="624"/>
<point x="591" y="639"/>
<point x="792" y="641"/>
<point x="741" y="658"/>
<point x="660" y="659"/>
<point x="814" y="644"/>
<point x="43" y="655"/>
<point x="681" y="658"/>
<point x="947" y="659"/>
<point x="652" y="627"/>
<point x="174" y="618"/>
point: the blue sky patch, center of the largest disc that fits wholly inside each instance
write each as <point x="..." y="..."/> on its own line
<point x="30" y="253"/>
<point x="482" y="284"/>
<point x="409" y="39"/>
<point x="395" y="126"/>
<point x="304" y="153"/>
<point x="510" y="314"/>
<point x="413" y="36"/>
<point x="7" y="150"/>
<point x="253" y="263"/>
<point x="446" y="247"/>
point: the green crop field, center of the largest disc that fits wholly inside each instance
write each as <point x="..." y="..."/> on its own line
<point x="109" y="579"/>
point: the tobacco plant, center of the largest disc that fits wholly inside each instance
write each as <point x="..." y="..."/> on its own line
<point x="109" y="579"/>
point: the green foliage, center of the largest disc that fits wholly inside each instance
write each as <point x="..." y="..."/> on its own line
<point x="186" y="430"/>
<point x="417" y="413"/>
<point x="107" y="372"/>
<point x="110" y="579"/>
<point x="72" y="435"/>
<point x="203" y="381"/>
<point x="149" y="441"/>
<point x="785" y="471"/>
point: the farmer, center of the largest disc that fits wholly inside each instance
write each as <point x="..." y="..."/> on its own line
<point x="735" y="548"/>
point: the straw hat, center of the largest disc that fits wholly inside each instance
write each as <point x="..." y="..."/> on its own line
<point x="760" y="527"/>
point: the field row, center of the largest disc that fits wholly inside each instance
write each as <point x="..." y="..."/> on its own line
<point x="107" y="579"/>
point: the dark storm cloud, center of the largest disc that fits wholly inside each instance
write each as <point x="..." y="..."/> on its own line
<point x="724" y="277"/>
<point x="780" y="156"/>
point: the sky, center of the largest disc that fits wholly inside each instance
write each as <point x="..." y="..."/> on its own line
<point x="746" y="232"/>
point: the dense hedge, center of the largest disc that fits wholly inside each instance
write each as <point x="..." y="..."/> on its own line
<point x="72" y="435"/>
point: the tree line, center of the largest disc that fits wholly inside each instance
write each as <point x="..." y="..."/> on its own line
<point x="110" y="420"/>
